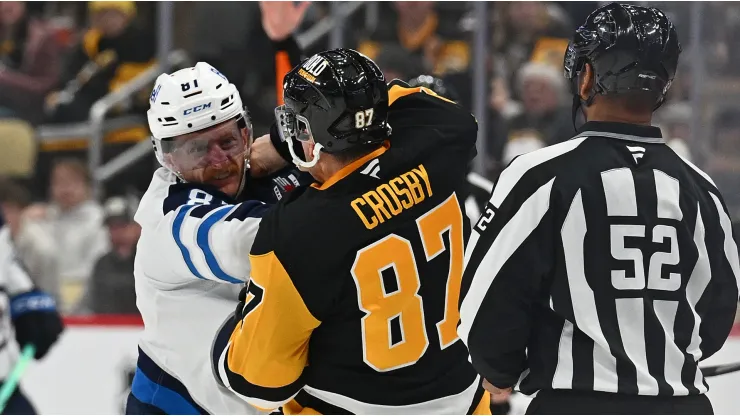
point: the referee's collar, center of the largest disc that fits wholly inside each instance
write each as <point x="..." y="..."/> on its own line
<point x="624" y="131"/>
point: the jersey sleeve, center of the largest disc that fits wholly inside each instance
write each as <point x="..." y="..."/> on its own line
<point x="508" y="254"/>
<point x="441" y="122"/>
<point x="213" y="236"/>
<point x="12" y="273"/>
<point x="717" y="302"/>
<point x="267" y="351"/>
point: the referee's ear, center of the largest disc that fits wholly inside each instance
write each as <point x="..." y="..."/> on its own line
<point x="586" y="82"/>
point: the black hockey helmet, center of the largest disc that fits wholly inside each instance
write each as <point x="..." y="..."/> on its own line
<point x="337" y="97"/>
<point x="630" y="48"/>
<point x="435" y="84"/>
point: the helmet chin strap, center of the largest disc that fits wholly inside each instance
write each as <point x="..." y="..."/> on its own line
<point x="243" y="180"/>
<point x="302" y="163"/>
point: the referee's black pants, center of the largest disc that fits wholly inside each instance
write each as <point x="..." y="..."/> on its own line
<point x="570" y="402"/>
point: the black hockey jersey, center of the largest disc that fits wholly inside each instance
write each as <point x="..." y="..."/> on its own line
<point x="353" y="298"/>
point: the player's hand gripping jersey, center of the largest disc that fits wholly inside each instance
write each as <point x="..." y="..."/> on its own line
<point x="353" y="301"/>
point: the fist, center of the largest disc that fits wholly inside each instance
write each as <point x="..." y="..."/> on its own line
<point x="497" y="395"/>
<point x="264" y="160"/>
<point x="281" y="18"/>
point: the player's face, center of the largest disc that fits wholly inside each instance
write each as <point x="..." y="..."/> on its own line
<point x="215" y="156"/>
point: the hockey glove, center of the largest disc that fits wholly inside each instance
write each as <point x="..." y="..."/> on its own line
<point x="282" y="146"/>
<point x="36" y="320"/>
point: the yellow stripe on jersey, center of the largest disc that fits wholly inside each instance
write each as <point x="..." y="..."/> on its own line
<point x="398" y="91"/>
<point x="342" y="173"/>
<point x="484" y="406"/>
<point x="269" y="348"/>
<point x="294" y="408"/>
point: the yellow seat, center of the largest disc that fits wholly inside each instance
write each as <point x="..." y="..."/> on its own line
<point x="133" y="134"/>
<point x="18" y="144"/>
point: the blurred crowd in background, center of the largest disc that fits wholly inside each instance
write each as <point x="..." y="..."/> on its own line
<point x="57" y="59"/>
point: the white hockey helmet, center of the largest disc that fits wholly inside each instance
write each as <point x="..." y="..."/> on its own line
<point x="198" y="125"/>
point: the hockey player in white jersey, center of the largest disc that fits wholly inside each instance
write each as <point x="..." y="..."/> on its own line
<point x="199" y="218"/>
<point x="29" y="311"/>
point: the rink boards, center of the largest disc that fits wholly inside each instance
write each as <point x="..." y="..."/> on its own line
<point x="86" y="372"/>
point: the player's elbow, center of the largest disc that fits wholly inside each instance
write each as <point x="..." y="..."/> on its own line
<point x="265" y="399"/>
<point x="468" y="131"/>
<point x="263" y="393"/>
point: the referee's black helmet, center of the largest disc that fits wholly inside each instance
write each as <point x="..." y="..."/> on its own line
<point x="630" y="48"/>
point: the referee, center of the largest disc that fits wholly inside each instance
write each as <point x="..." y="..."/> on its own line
<point x="604" y="269"/>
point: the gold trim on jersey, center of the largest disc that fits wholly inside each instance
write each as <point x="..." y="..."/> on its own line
<point x="393" y="197"/>
<point x="398" y="91"/>
<point x="294" y="408"/>
<point x="345" y="171"/>
<point x="269" y="348"/>
<point x="484" y="405"/>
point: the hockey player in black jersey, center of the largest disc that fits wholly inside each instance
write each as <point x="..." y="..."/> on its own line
<point x="352" y="302"/>
<point x="604" y="268"/>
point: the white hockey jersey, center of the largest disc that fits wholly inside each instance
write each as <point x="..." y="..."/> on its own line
<point x="191" y="261"/>
<point x="13" y="280"/>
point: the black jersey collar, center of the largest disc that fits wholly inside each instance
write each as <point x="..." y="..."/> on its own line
<point x="623" y="131"/>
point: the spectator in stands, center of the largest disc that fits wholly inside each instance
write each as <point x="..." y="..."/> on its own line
<point x="674" y="120"/>
<point x="545" y="118"/>
<point x="525" y="31"/>
<point x="35" y="246"/>
<point x="29" y="63"/>
<point x="417" y="27"/>
<point x="240" y="33"/>
<point x="111" y="287"/>
<point x="397" y="63"/>
<point x="723" y="164"/>
<point x="75" y="221"/>
<point x="112" y="52"/>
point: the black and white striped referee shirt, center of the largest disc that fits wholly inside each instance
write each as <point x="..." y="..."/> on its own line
<point x="602" y="263"/>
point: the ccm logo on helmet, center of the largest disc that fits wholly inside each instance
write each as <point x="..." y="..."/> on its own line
<point x="155" y="93"/>
<point x="196" y="109"/>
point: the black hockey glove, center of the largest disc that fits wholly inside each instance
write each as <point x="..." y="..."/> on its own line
<point x="36" y="320"/>
<point x="282" y="146"/>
